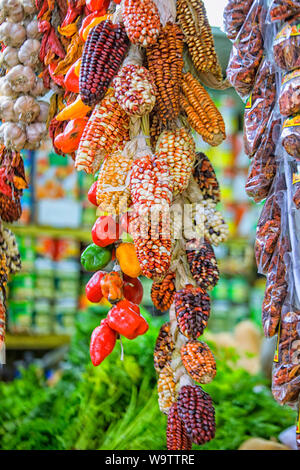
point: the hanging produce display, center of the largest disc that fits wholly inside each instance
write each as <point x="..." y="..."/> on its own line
<point x="264" y="69"/>
<point x="122" y="97"/>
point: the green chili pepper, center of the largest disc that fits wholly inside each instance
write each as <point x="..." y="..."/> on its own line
<point x="95" y="257"/>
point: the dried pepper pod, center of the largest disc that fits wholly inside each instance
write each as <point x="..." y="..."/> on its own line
<point x="165" y="63"/>
<point x="202" y="113"/>
<point x="166" y="389"/>
<point x="247" y="51"/>
<point x="216" y="230"/>
<point x="259" y="106"/>
<point x="202" y="262"/>
<point x="150" y="182"/>
<point x="267" y="232"/>
<point x="290" y="136"/>
<point x="284" y="9"/>
<point x="192" y="308"/>
<point x="234" y="16"/>
<point x="164" y="347"/>
<point x="289" y="99"/>
<point x="177" y="437"/>
<point x="199" y="361"/>
<point x="276" y="288"/>
<point x="103" y="53"/>
<point x="107" y="130"/>
<point x="135" y="90"/>
<point x="150" y="231"/>
<point x="205" y="177"/>
<point x="193" y="20"/>
<point x="286" y="370"/>
<point x="113" y="190"/>
<point x="195" y="408"/>
<point x="263" y="166"/>
<point x="162" y="293"/>
<point x="286" y="46"/>
<point x="142" y="21"/>
<point x="177" y="149"/>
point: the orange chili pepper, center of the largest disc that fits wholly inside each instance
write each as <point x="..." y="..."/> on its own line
<point x="75" y="110"/>
<point x="69" y="139"/>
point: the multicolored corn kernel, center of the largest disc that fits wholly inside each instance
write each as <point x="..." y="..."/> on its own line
<point x="162" y="293"/>
<point x="199" y="361"/>
<point x="202" y="262"/>
<point x="163" y="348"/>
<point x="142" y="21"/>
<point x="205" y="176"/>
<point x="177" y="148"/>
<point x="166" y="389"/>
<point x="195" y="408"/>
<point x="177" y="437"/>
<point x="192" y="308"/>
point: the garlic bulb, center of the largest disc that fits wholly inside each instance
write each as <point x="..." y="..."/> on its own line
<point x="29" y="52"/>
<point x="21" y="79"/>
<point x="12" y="9"/>
<point x="35" y="133"/>
<point x="7" y="109"/>
<point x="12" y="34"/>
<point x="5" y="88"/>
<point x="38" y="89"/>
<point x="26" y="109"/>
<point x="9" y="57"/>
<point x="13" y="136"/>
<point x="29" y="6"/>
<point x="44" y="110"/>
<point x="32" y="30"/>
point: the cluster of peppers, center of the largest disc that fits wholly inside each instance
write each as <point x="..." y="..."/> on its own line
<point x="120" y="287"/>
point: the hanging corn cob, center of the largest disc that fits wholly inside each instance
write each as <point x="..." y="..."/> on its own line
<point x="205" y="176"/>
<point x="142" y="21"/>
<point x="162" y="293"/>
<point x="166" y="389"/>
<point x="202" y="263"/>
<point x="107" y="130"/>
<point x="164" y="347"/>
<point x="104" y="51"/>
<point x="165" y="64"/>
<point x="193" y="21"/>
<point x="192" y="307"/>
<point x="199" y="361"/>
<point x="135" y="90"/>
<point x="177" y="148"/>
<point x="113" y="191"/>
<point x="177" y="436"/>
<point x="201" y="111"/>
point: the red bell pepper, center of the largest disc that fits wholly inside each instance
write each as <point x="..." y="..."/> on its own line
<point x="94" y="5"/>
<point x="105" y="231"/>
<point x="125" y="318"/>
<point x="92" y="194"/>
<point x="102" y="343"/>
<point x="93" y="288"/>
<point x="71" y="80"/>
<point x="132" y="289"/>
<point x="68" y="141"/>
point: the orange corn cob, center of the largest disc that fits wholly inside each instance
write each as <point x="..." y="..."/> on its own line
<point x="164" y="347"/>
<point x="162" y="293"/>
<point x="166" y="389"/>
<point x="201" y="111"/>
<point x="113" y="190"/>
<point x="107" y="130"/>
<point x="199" y="361"/>
<point x="177" y="148"/>
<point x="142" y="21"/>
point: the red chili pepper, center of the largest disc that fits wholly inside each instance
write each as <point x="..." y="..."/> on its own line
<point x="92" y="194"/>
<point x="105" y="231"/>
<point x="132" y="289"/>
<point x="125" y="318"/>
<point x="71" y="80"/>
<point x="102" y="343"/>
<point x="75" y="8"/>
<point x="93" y="288"/>
<point x="68" y="140"/>
<point x="94" y="5"/>
<point x="59" y="79"/>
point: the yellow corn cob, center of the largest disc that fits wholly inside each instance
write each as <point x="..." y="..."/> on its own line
<point x="166" y="389"/>
<point x="107" y="130"/>
<point x="201" y="111"/>
<point x="177" y="148"/>
<point x="113" y="189"/>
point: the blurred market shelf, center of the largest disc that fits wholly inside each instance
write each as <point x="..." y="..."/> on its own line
<point x="18" y="341"/>
<point x="51" y="232"/>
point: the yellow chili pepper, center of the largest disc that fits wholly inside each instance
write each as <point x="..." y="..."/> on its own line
<point x="75" y="110"/>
